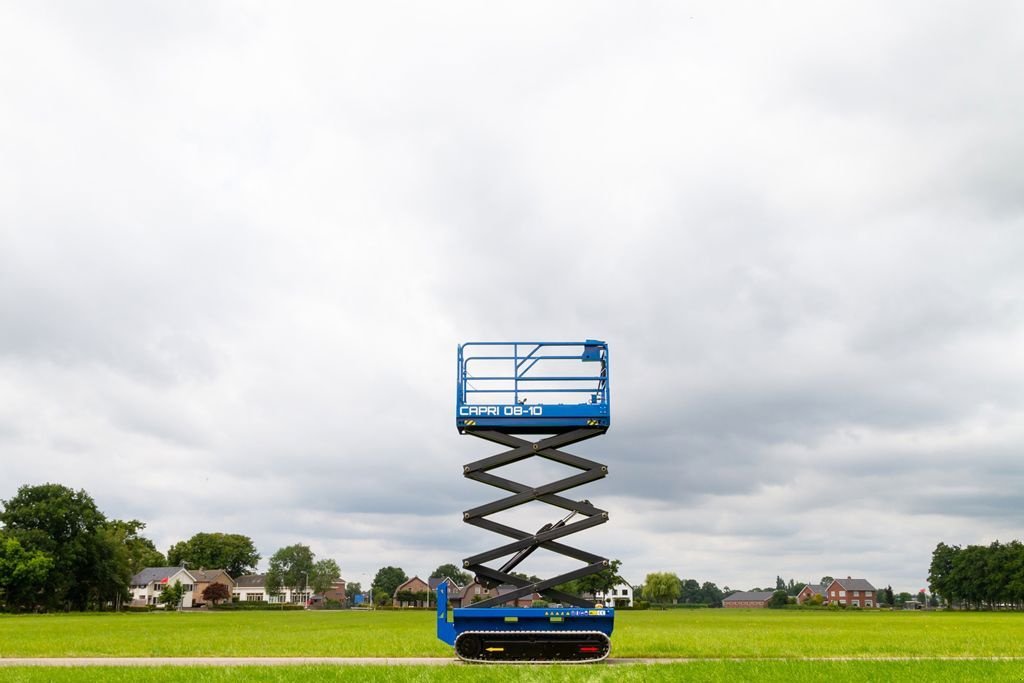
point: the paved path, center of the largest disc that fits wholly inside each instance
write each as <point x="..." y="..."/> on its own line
<point x="419" y="661"/>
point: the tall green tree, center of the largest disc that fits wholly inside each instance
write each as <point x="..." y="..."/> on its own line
<point x="290" y="567"/>
<point x="141" y="552"/>
<point x="661" y="587"/>
<point x="325" y="573"/>
<point x="603" y="581"/>
<point x="234" y="553"/>
<point x="940" y="571"/>
<point x="712" y="596"/>
<point x="387" y="580"/>
<point x="112" y="569"/>
<point x="65" y="525"/>
<point x="689" y="592"/>
<point x="352" y="589"/>
<point x="452" y="572"/>
<point x="779" y="599"/>
<point x="23" y="575"/>
<point x="171" y="596"/>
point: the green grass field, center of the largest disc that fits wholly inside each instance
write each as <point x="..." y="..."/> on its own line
<point x="719" y="639"/>
<point x="715" y="672"/>
<point x="676" y="633"/>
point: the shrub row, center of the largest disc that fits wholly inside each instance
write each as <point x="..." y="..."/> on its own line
<point x="243" y="606"/>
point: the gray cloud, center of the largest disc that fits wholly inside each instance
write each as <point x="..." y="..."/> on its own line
<point x="239" y="246"/>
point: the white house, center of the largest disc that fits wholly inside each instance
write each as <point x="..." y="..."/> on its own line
<point x="253" y="588"/>
<point x="619" y="596"/>
<point x="147" y="585"/>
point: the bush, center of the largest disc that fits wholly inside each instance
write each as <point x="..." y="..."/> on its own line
<point x="257" y="606"/>
<point x="540" y="603"/>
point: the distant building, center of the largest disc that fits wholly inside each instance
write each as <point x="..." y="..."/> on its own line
<point x="454" y="589"/>
<point x="619" y="596"/>
<point x="336" y="592"/>
<point x="413" y="585"/>
<point x="475" y="592"/>
<point x="253" y="588"/>
<point x="748" y="599"/>
<point x="851" y="592"/>
<point x="205" y="577"/>
<point x="148" y="584"/>
<point x="809" y="591"/>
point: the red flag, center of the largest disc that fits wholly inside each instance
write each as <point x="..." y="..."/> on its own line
<point x="164" y="580"/>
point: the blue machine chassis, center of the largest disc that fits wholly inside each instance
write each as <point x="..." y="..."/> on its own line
<point x="519" y="620"/>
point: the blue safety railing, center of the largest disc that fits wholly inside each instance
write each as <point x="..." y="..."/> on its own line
<point x="532" y="387"/>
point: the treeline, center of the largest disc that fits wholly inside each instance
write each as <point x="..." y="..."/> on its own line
<point x="667" y="587"/>
<point x="979" y="576"/>
<point x="58" y="552"/>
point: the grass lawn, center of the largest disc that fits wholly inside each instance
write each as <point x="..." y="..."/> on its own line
<point x="674" y="633"/>
<point x="695" y="671"/>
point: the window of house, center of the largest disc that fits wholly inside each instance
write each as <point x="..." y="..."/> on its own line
<point x="254" y="597"/>
<point x="842" y="594"/>
<point x="833" y="594"/>
<point x="856" y="603"/>
<point x="187" y="586"/>
<point x="158" y="587"/>
<point x="868" y="603"/>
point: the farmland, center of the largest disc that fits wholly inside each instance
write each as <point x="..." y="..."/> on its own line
<point x="696" y="634"/>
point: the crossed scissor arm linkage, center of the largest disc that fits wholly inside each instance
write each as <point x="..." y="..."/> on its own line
<point x="525" y="542"/>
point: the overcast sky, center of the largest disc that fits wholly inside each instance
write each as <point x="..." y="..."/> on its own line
<point x="239" y="243"/>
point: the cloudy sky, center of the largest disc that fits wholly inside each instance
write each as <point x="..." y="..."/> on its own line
<point x="239" y="243"/>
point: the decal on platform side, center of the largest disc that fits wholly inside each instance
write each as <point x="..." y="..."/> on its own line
<point x="501" y="411"/>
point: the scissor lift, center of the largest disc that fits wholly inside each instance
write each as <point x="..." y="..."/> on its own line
<point x="507" y="389"/>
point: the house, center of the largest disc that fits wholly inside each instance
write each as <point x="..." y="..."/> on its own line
<point x="473" y="592"/>
<point x="748" y="599"/>
<point x="619" y="596"/>
<point x="851" y="592"/>
<point x="148" y="584"/>
<point x="524" y="601"/>
<point x="454" y="589"/>
<point x="205" y="577"/>
<point x="476" y="592"/>
<point x="412" y="586"/>
<point x="336" y="591"/>
<point x="253" y="588"/>
<point x="809" y="591"/>
<point x="250" y="588"/>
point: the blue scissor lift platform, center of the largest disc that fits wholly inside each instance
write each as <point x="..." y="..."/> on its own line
<point x="506" y="389"/>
